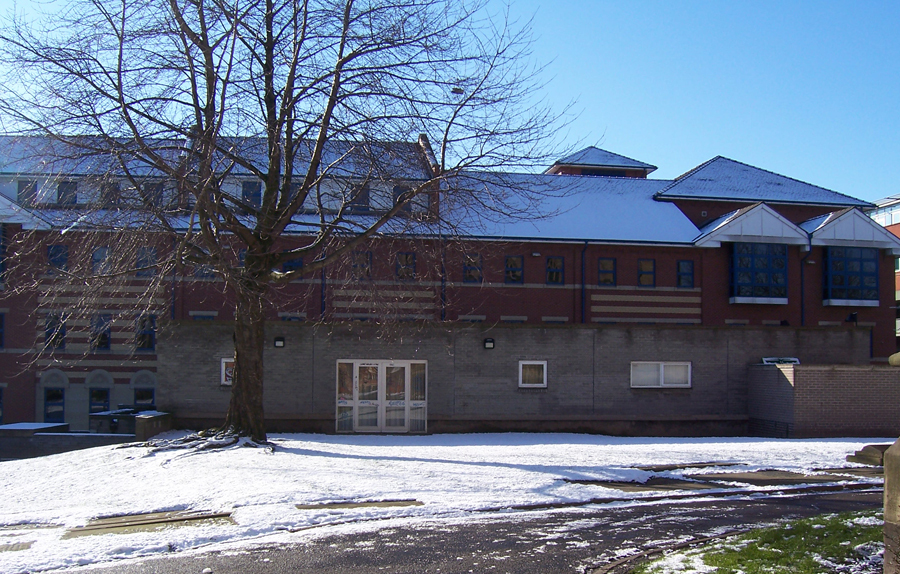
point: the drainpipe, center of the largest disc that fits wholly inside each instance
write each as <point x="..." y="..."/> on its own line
<point x="583" y="284"/>
<point x="443" y="280"/>
<point x="323" y="293"/>
<point x="803" y="281"/>
<point x="174" y="273"/>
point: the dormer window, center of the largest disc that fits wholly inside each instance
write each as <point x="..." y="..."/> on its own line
<point x="67" y="193"/>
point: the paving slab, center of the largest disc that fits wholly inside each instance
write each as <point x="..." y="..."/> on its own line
<point x="146" y="522"/>
<point x="14" y="546"/>
<point x="668" y="467"/>
<point x="869" y="471"/>
<point x="654" y="483"/>
<point x="769" y="477"/>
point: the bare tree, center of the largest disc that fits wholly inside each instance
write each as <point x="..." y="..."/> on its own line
<point x="317" y="101"/>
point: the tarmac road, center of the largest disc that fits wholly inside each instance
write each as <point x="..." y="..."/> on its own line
<point x="578" y="540"/>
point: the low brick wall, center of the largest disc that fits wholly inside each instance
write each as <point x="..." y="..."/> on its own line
<point x="824" y="400"/>
<point x="14" y="447"/>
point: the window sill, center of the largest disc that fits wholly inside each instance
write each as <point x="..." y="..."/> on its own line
<point x="850" y="303"/>
<point x="759" y="300"/>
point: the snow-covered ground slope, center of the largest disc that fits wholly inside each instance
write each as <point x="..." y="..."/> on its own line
<point x="450" y="474"/>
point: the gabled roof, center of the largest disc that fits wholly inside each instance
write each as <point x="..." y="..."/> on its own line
<point x="596" y="157"/>
<point x="723" y="179"/>
<point x="850" y="227"/>
<point x="757" y="223"/>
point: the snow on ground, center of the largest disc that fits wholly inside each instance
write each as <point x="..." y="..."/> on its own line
<point x="451" y="474"/>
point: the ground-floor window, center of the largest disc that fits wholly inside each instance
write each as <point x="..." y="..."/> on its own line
<point x="381" y="396"/>
<point x="655" y="374"/>
<point x="54" y="405"/>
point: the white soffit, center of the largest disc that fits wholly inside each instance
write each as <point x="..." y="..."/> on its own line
<point x="854" y="228"/>
<point x="757" y="224"/>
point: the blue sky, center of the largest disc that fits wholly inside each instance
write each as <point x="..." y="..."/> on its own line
<point x="810" y="90"/>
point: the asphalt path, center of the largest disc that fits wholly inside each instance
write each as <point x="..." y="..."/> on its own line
<point x="580" y="540"/>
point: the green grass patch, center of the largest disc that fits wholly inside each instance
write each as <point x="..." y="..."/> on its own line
<point x="848" y="542"/>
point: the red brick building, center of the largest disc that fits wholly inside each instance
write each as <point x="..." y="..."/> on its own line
<point x="629" y="305"/>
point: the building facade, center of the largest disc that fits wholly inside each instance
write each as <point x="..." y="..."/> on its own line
<point x="628" y="305"/>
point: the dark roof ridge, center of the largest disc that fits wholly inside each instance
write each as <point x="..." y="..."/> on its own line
<point x="705" y="164"/>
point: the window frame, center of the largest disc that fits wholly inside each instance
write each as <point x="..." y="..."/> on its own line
<point x="57" y="258"/>
<point x="251" y="192"/>
<point x="641" y="273"/>
<point x="473" y="268"/>
<point x="151" y="390"/>
<point x="687" y="275"/>
<point x="152" y="192"/>
<point x="754" y="271"/>
<point x="27" y="192"/>
<point x="552" y="272"/>
<point x="405" y="270"/>
<point x="831" y="293"/>
<point x="55" y="331"/>
<point x="543" y="384"/>
<point x="100" y="265"/>
<point x="101" y="329"/>
<point x="60" y="403"/>
<point x="67" y="193"/>
<point x="145" y="333"/>
<point x="361" y="265"/>
<point x="509" y="270"/>
<point x="93" y="405"/>
<point x="601" y="272"/>
<point x="661" y="378"/>
<point x="145" y="261"/>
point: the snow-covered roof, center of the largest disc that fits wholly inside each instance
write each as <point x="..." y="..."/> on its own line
<point x="595" y="157"/>
<point x="582" y="208"/>
<point x="725" y="179"/>
<point x="34" y="155"/>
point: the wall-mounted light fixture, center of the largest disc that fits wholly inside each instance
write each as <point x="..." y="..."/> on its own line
<point x="279" y="342"/>
<point x="852" y="318"/>
<point x="488" y="343"/>
<point x="535" y="254"/>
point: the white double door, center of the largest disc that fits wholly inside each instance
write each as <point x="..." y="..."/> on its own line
<point x="381" y="396"/>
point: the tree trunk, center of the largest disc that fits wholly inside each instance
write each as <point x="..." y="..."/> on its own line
<point x="245" y="412"/>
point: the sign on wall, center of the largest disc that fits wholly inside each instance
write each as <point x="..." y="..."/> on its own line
<point x="227" y="371"/>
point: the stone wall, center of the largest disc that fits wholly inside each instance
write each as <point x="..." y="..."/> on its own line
<point x="473" y="388"/>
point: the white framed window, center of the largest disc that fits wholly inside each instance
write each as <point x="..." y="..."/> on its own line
<point x="533" y="374"/>
<point x="657" y="374"/>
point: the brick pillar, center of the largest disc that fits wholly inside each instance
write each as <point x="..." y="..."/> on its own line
<point x="892" y="509"/>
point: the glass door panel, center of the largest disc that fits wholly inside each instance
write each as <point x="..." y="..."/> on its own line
<point x="417" y="417"/>
<point x="367" y="403"/>
<point x="345" y="397"/>
<point x="395" y="397"/>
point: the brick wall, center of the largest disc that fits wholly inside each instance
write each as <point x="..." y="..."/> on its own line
<point x="844" y="400"/>
<point x="824" y="400"/>
<point x="473" y="388"/>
